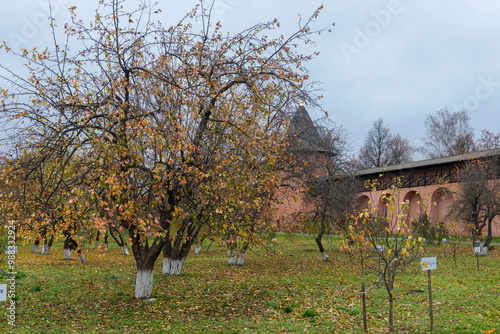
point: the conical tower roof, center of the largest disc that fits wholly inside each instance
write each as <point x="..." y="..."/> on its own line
<point x="304" y="135"/>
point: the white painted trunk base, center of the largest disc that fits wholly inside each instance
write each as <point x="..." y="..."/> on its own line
<point x="484" y="251"/>
<point x="82" y="258"/>
<point x="96" y="244"/>
<point x="67" y="254"/>
<point x="144" y="284"/>
<point x="197" y="249"/>
<point x="325" y="257"/>
<point x="173" y="267"/>
<point x="231" y="257"/>
<point x="106" y="247"/>
<point x="231" y="260"/>
<point x="45" y="249"/>
<point x="124" y="250"/>
<point x="234" y="259"/>
<point x="241" y="259"/>
<point x="36" y="249"/>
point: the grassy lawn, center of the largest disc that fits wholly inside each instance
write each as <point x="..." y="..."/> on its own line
<point x="294" y="292"/>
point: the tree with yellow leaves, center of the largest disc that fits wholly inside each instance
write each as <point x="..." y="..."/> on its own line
<point x="174" y="124"/>
<point x="391" y="236"/>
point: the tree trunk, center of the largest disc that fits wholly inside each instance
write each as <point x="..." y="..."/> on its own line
<point x="236" y="257"/>
<point x="106" y="244"/>
<point x="477" y="229"/>
<point x="319" y="239"/>
<point x="81" y="257"/>
<point x="144" y="283"/>
<point x="175" y="251"/>
<point x="69" y="245"/>
<point x="241" y="257"/>
<point x="476" y="239"/>
<point x="391" y="312"/>
<point x="96" y="242"/>
<point x="231" y="257"/>
<point x="67" y="254"/>
<point x="197" y="248"/>
<point x="46" y="246"/>
<point x="119" y="240"/>
<point x="145" y="256"/>
<point x="36" y="246"/>
<point x="174" y="256"/>
<point x="173" y="266"/>
<point x="482" y="249"/>
<point x="490" y="234"/>
<point x="363" y="297"/>
<point x="124" y="250"/>
<point x="389" y="285"/>
<point x="455" y="254"/>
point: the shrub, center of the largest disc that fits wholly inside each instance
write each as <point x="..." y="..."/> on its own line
<point x="430" y="233"/>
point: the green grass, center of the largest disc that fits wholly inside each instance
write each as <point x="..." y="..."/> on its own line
<point x="294" y="292"/>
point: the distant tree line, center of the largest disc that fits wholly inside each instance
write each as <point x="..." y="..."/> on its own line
<point x="447" y="134"/>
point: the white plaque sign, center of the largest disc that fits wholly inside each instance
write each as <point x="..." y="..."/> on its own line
<point x="428" y="263"/>
<point x="3" y="292"/>
<point x="477" y="251"/>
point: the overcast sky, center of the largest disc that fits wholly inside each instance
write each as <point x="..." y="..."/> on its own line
<point x="393" y="59"/>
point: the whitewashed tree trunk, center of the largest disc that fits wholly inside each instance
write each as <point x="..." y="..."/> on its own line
<point x="124" y="250"/>
<point x="36" y="248"/>
<point x="46" y="249"/>
<point x="173" y="267"/>
<point x="67" y="254"/>
<point x="231" y="258"/>
<point x="82" y="258"/>
<point x="144" y="284"/>
<point x="241" y="258"/>
<point x="197" y="249"/>
<point x="96" y="244"/>
<point x="106" y="247"/>
<point x="236" y="259"/>
<point x="325" y="256"/>
<point x="484" y="250"/>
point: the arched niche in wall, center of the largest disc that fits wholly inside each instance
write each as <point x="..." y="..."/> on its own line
<point x="363" y="202"/>
<point x="415" y="207"/>
<point x="441" y="202"/>
<point x="382" y="208"/>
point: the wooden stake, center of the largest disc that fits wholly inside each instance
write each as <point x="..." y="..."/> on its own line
<point x="365" y="327"/>
<point x="430" y="300"/>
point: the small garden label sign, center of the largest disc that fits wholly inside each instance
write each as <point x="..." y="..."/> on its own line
<point x="3" y="292"/>
<point x="429" y="263"/>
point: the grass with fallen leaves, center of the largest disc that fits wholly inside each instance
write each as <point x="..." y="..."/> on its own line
<point x="292" y="292"/>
